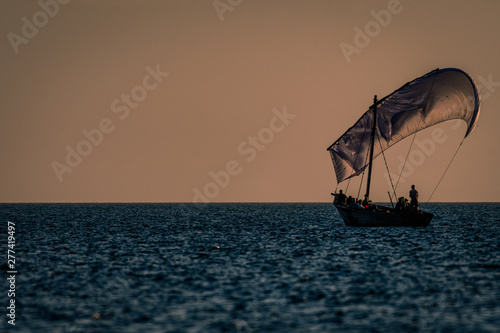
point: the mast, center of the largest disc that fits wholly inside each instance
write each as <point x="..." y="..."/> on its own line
<point x="372" y="145"/>
<point x="383" y="99"/>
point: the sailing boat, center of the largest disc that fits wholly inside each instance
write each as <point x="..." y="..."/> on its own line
<point x="438" y="96"/>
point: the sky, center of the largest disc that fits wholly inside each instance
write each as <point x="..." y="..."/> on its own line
<point x="232" y="101"/>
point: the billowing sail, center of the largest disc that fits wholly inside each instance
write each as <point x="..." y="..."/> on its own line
<point x="441" y="95"/>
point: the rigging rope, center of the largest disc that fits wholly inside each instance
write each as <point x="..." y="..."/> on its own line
<point x="414" y="135"/>
<point x="439" y="182"/>
<point x="387" y="167"/>
<point x="347" y="187"/>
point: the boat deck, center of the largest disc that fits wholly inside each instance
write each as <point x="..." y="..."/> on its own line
<point x="383" y="217"/>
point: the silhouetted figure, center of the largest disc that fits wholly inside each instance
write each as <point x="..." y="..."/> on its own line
<point x="399" y="204"/>
<point x="402" y="204"/>
<point x="413" y="197"/>
<point x="366" y="202"/>
<point x="356" y="204"/>
<point x="340" y="198"/>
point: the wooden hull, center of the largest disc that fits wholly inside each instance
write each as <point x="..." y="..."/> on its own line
<point x="383" y="217"/>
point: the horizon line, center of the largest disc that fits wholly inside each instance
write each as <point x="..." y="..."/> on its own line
<point x="214" y="202"/>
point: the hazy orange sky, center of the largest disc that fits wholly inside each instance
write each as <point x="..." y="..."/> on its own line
<point x="157" y="97"/>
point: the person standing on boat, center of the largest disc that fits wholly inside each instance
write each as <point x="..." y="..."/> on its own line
<point x="413" y="197"/>
<point x="340" y="198"/>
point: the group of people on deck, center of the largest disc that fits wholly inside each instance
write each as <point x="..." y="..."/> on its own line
<point x="401" y="205"/>
<point x="342" y="199"/>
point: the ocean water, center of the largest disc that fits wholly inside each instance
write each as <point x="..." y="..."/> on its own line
<point x="249" y="268"/>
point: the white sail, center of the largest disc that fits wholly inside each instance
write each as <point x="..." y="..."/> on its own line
<point x="441" y="95"/>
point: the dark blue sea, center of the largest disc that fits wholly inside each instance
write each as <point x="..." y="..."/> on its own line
<point x="248" y="268"/>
